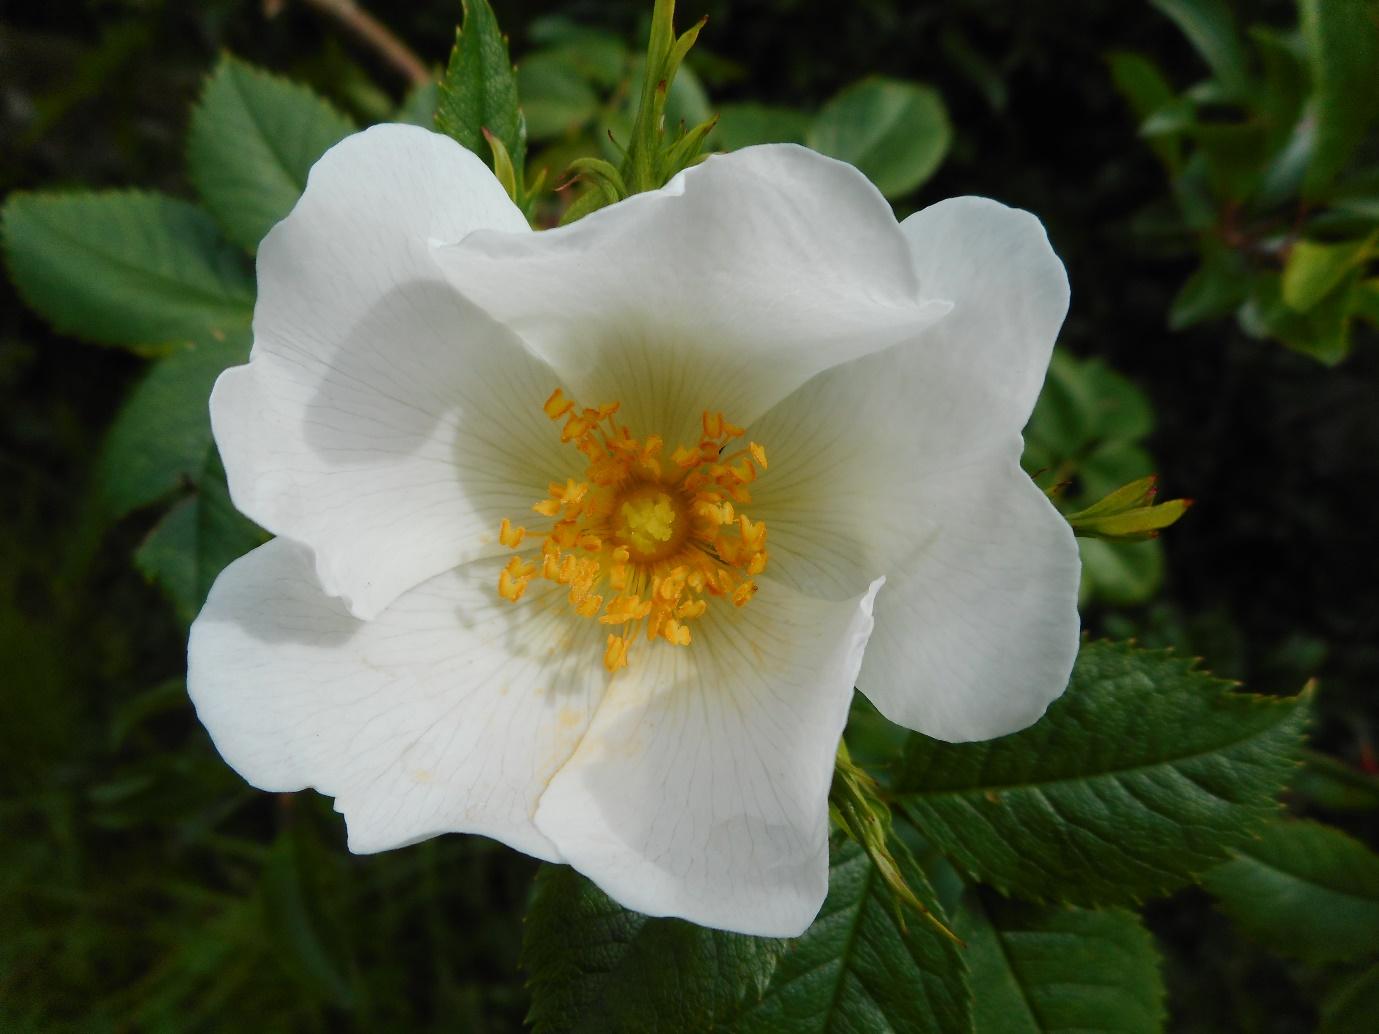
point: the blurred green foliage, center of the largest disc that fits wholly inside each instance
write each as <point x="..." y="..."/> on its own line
<point x="145" y="887"/>
<point x="1274" y="174"/>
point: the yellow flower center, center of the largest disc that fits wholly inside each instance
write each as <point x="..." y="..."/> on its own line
<point x="643" y="541"/>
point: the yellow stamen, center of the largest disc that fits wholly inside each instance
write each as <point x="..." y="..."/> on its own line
<point x="642" y="543"/>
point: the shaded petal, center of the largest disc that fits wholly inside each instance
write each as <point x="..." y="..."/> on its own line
<point x="701" y="788"/>
<point x="447" y="713"/>
<point x="732" y="285"/>
<point x="382" y="420"/>
<point x="905" y="463"/>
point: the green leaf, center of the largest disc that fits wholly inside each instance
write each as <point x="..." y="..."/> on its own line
<point x="857" y="969"/>
<point x="896" y="132"/>
<point x="1041" y="968"/>
<point x="1303" y="890"/>
<point x="419" y="106"/>
<point x="742" y="125"/>
<point x="598" y="56"/>
<point x="195" y="541"/>
<point x="124" y="267"/>
<point x="1209" y="27"/>
<point x="1323" y="332"/>
<point x="253" y="139"/>
<point x="162" y="433"/>
<point x="1343" y="44"/>
<point x="1217" y="288"/>
<point x="1147" y="90"/>
<point x="1120" y="573"/>
<point x="1364" y="300"/>
<point x="1335" y="785"/>
<point x="1352" y="1004"/>
<point x="168" y="557"/>
<point x="596" y="967"/>
<point x="291" y="916"/>
<point x="1142" y="775"/>
<point x="479" y="89"/>
<point x="556" y="99"/>
<point x="1314" y="270"/>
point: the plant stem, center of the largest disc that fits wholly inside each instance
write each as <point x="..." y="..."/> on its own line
<point x="378" y="36"/>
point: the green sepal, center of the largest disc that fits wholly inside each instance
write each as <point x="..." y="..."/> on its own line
<point x="1129" y="514"/>
<point x="856" y="807"/>
<point x="478" y="94"/>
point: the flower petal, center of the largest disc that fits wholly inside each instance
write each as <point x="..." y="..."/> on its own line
<point x="701" y="788"/>
<point x="905" y="463"/>
<point x="447" y="713"/>
<point x="732" y="285"/>
<point x="1009" y="293"/>
<point x="382" y="420"/>
<point x="979" y="628"/>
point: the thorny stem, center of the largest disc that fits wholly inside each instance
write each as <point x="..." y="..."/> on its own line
<point x="376" y="35"/>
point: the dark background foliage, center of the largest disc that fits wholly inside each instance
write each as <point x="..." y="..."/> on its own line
<point x="142" y="886"/>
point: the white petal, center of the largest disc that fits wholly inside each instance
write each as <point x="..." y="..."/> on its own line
<point x="701" y="788"/>
<point x="1009" y="293"/>
<point x="726" y="289"/>
<point x="447" y="713"/>
<point x="979" y="626"/>
<point x="382" y="420"/>
<point x="905" y="463"/>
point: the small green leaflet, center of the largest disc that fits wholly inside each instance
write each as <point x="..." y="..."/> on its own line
<point x="1141" y="776"/>
<point x="125" y="267"/>
<point x="253" y="139"/>
<point x="896" y="132"/>
<point x="162" y="433"/>
<point x="1049" y="968"/>
<point x="1303" y="890"/>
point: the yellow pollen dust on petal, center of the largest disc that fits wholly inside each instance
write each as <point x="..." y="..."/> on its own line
<point x="640" y="543"/>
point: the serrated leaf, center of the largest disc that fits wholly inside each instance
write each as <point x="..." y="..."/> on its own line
<point x="254" y="137"/>
<point x="125" y="267"/>
<point x="1343" y="45"/>
<point x="1208" y="25"/>
<point x="896" y="132"/>
<point x="1142" y="775"/>
<point x="1304" y="890"/>
<point x="596" y="967"/>
<point x="1040" y="968"/>
<point x="161" y="434"/>
<point x="856" y="970"/>
<point x="479" y="89"/>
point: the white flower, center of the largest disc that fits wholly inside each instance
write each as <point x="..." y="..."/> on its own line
<point x="395" y="421"/>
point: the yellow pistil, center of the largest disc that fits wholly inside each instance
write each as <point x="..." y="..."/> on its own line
<point x="640" y="541"/>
